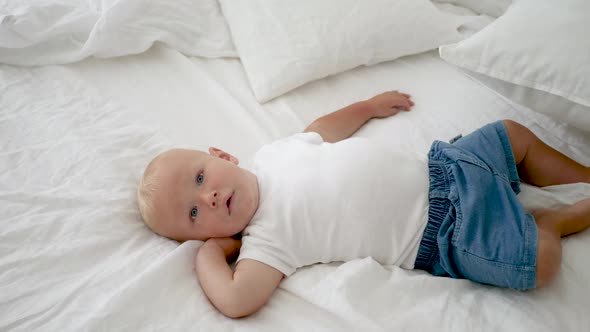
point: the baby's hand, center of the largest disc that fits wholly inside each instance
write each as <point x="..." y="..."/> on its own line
<point x="389" y="103"/>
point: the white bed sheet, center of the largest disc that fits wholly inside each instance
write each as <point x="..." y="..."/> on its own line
<point x="74" y="254"/>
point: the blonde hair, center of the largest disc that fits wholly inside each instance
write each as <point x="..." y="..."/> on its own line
<point x="148" y="185"/>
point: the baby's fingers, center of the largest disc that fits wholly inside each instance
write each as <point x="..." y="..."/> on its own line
<point x="408" y="97"/>
<point x="227" y="244"/>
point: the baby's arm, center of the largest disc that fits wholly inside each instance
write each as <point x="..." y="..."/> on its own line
<point x="235" y="293"/>
<point x="343" y="123"/>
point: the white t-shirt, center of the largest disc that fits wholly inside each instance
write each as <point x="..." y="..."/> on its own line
<point x="325" y="202"/>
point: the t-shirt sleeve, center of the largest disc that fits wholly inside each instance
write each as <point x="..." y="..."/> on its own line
<point x="310" y="137"/>
<point x="269" y="150"/>
<point x="257" y="249"/>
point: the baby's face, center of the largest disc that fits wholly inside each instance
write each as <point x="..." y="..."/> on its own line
<point x="203" y="195"/>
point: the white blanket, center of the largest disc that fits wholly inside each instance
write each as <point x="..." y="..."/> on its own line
<point x="40" y="32"/>
<point x="74" y="254"/>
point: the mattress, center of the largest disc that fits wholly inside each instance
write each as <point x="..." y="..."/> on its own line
<point x="75" y="255"/>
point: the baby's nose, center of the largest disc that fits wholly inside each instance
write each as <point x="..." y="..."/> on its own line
<point x="211" y="198"/>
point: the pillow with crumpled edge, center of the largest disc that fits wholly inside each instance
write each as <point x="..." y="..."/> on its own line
<point x="536" y="54"/>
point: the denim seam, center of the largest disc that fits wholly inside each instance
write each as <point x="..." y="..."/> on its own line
<point x="501" y="264"/>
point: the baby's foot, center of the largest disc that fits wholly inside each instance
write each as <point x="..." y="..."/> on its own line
<point x="566" y="220"/>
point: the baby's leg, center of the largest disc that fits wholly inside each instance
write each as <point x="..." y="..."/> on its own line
<point x="538" y="163"/>
<point x="541" y="165"/>
<point x="552" y="225"/>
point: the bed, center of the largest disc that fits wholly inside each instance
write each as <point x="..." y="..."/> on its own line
<point x="90" y="92"/>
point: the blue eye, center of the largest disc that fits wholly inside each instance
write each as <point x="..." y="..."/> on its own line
<point x="194" y="213"/>
<point x="200" y="178"/>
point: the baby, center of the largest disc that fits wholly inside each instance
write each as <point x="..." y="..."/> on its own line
<point x="323" y="196"/>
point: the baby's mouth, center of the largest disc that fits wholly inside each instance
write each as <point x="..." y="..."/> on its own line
<point x="228" y="204"/>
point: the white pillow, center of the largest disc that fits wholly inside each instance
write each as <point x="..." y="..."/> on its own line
<point x="538" y="54"/>
<point x="40" y="32"/>
<point x="493" y="8"/>
<point x="287" y="43"/>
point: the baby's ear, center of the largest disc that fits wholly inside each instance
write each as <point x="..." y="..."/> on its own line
<point x="223" y="155"/>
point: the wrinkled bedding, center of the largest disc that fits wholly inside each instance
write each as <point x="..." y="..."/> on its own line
<point x="44" y="32"/>
<point x="74" y="254"/>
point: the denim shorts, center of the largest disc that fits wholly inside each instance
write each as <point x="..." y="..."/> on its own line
<point x="477" y="229"/>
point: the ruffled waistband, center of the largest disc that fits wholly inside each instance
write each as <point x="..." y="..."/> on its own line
<point x="441" y="179"/>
